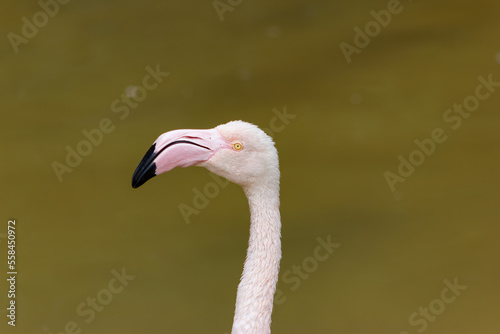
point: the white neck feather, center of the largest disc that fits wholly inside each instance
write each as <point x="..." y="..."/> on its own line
<point x="254" y="301"/>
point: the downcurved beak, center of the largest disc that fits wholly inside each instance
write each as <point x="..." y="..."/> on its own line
<point x="178" y="148"/>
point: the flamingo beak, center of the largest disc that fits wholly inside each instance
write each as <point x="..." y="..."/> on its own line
<point x="178" y="148"/>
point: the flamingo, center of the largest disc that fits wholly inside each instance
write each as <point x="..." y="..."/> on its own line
<point x="245" y="155"/>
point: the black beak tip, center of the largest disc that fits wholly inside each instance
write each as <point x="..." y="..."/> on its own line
<point x="140" y="177"/>
<point x="146" y="169"/>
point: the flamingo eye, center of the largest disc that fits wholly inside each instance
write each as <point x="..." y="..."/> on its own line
<point x="238" y="146"/>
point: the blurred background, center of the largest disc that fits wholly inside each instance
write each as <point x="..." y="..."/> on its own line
<point x="350" y="115"/>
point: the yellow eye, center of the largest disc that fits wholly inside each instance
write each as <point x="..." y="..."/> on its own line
<point x="237" y="146"/>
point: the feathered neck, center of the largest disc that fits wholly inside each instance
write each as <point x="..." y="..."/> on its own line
<point x="254" y="301"/>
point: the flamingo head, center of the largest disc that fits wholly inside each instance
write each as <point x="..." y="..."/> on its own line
<point x="238" y="151"/>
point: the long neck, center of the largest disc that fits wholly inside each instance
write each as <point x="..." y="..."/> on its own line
<point x="254" y="301"/>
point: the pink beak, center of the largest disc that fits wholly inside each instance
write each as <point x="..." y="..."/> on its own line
<point x="178" y="148"/>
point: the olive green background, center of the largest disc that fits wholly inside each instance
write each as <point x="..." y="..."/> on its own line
<point x="352" y="122"/>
